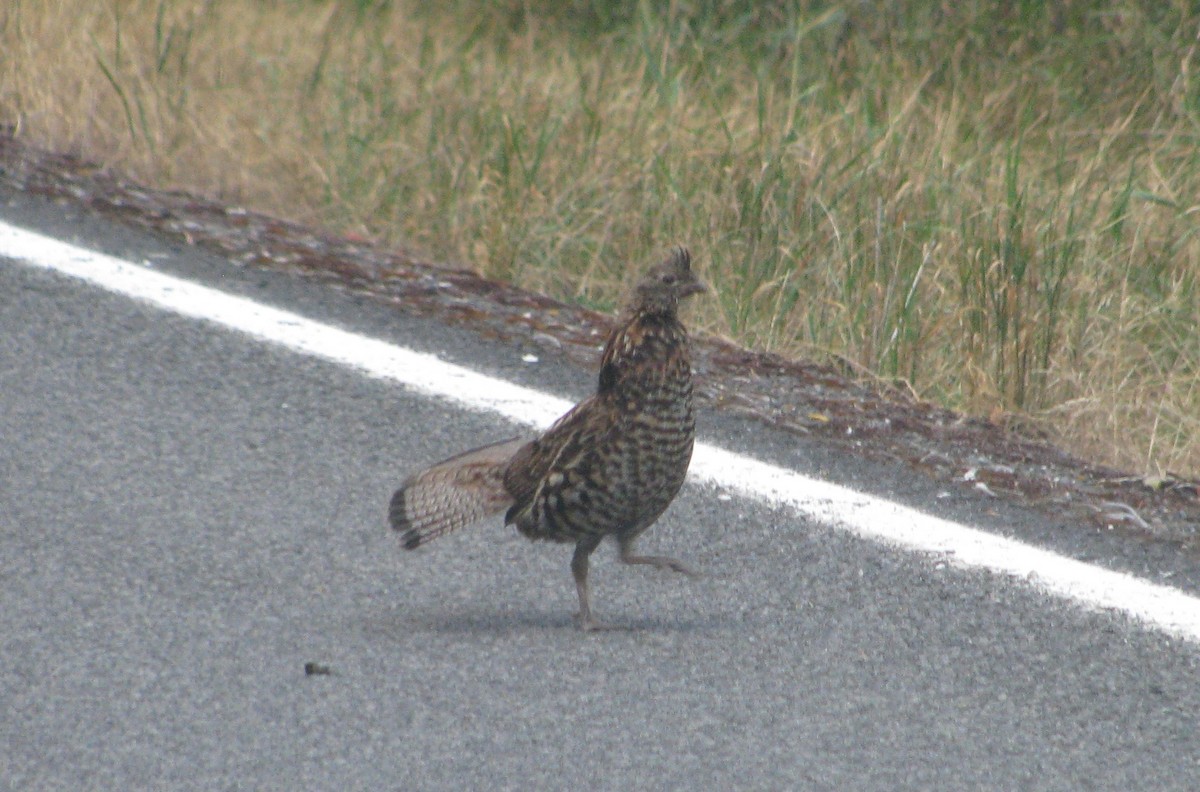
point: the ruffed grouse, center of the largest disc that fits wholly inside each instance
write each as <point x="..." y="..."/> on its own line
<point x="609" y="467"/>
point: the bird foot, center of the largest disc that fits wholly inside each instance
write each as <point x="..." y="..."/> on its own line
<point x="588" y="624"/>
<point x="662" y="562"/>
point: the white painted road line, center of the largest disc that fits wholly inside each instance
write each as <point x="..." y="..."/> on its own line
<point x="1160" y="607"/>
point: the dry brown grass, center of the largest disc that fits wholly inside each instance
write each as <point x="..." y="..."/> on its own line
<point x="997" y="206"/>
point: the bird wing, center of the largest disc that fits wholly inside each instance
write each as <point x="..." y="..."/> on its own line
<point x="562" y="447"/>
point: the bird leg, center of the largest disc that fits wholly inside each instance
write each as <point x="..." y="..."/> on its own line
<point x="625" y="543"/>
<point x="579" y="568"/>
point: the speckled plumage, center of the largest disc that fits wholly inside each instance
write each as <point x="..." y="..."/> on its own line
<point x="609" y="467"/>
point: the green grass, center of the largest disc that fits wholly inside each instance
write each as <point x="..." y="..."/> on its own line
<point x="993" y="202"/>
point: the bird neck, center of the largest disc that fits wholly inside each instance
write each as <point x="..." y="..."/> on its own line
<point x="641" y="346"/>
<point x="652" y="305"/>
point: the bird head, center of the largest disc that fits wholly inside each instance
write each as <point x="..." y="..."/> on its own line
<point x="664" y="285"/>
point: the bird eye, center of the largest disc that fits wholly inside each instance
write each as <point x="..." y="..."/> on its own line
<point x="668" y="279"/>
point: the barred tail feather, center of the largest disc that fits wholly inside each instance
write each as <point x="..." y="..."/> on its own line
<point x="452" y="494"/>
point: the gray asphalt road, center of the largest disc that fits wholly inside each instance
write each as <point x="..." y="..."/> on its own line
<point x="188" y="517"/>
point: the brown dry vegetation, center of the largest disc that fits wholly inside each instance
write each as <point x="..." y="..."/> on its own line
<point x="996" y="204"/>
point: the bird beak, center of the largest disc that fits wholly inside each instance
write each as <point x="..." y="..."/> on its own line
<point x="697" y="286"/>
